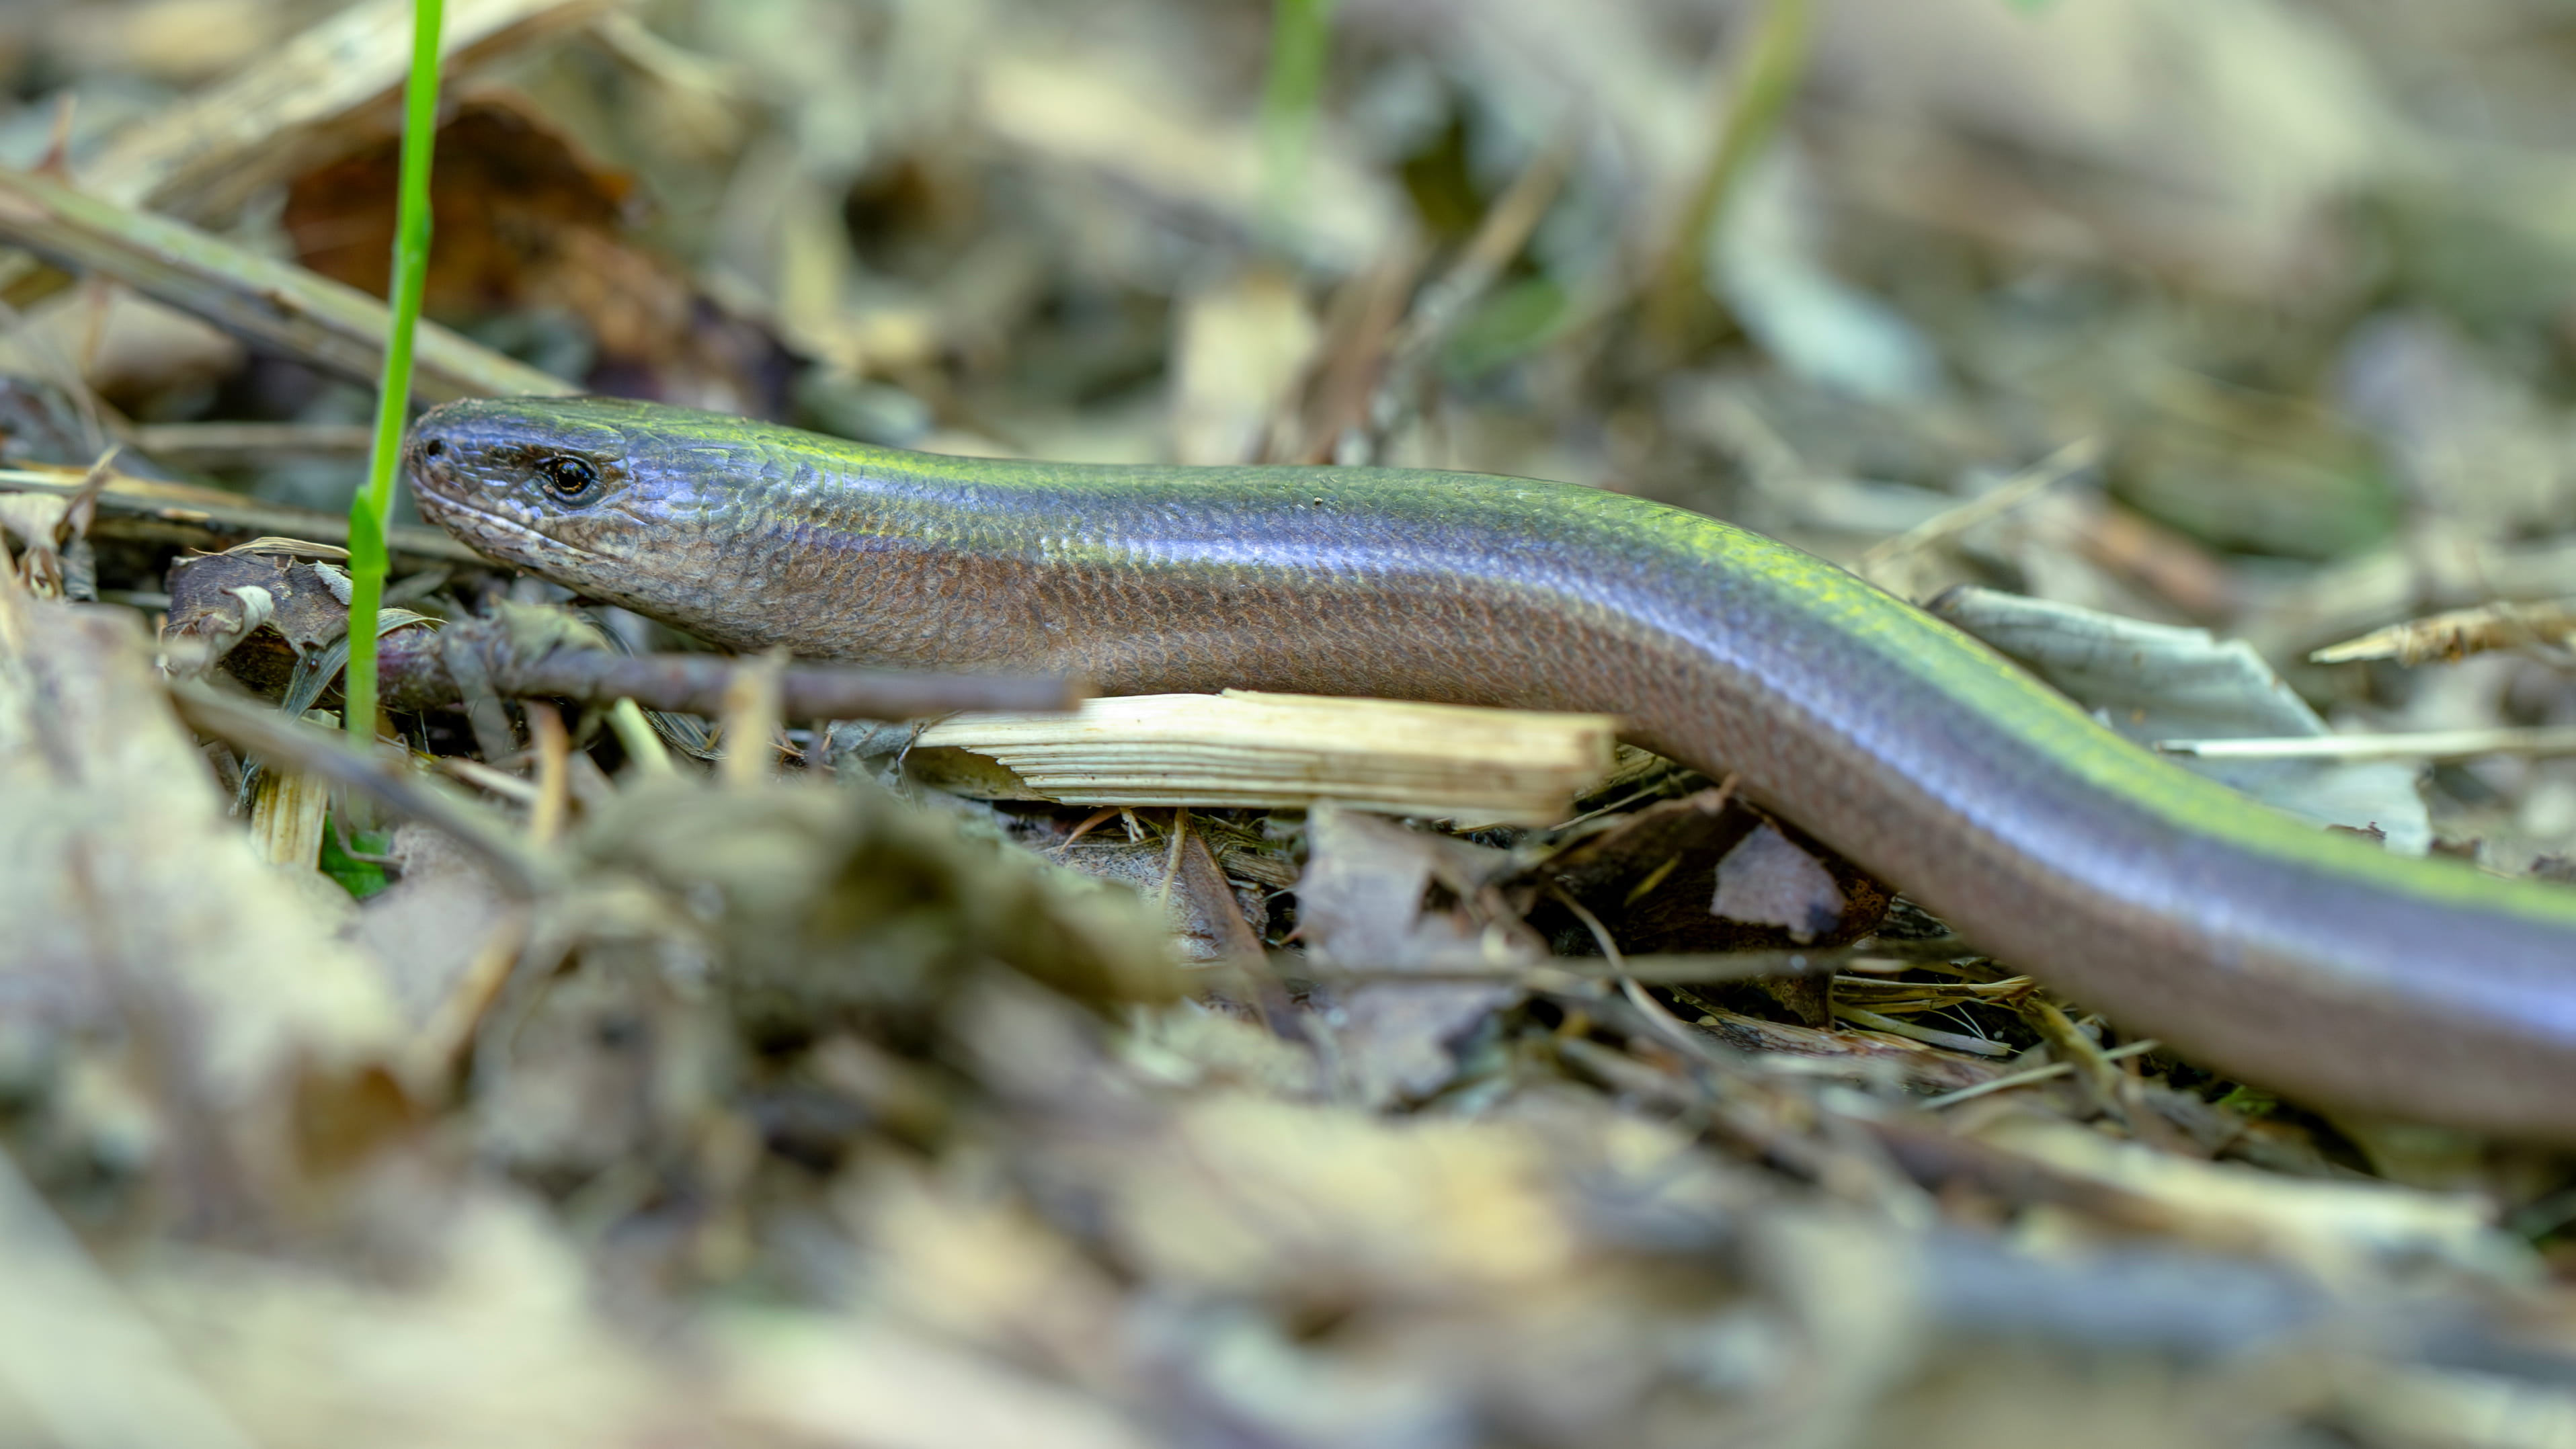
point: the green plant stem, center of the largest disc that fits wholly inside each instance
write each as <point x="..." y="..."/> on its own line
<point x="1775" y="63"/>
<point x="1300" y="35"/>
<point x="371" y="509"/>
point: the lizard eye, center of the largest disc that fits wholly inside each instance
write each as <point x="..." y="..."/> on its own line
<point x="568" y="480"/>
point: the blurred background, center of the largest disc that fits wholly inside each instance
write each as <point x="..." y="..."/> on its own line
<point x="2295" y="280"/>
<point x="2301" y="271"/>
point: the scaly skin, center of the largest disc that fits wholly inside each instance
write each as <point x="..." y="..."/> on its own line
<point x="2300" y="960"/>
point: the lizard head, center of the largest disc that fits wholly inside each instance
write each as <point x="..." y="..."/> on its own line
<point x="609" y="498"/>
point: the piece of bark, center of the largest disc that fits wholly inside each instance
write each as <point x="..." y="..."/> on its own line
<point x="293" y="596"/>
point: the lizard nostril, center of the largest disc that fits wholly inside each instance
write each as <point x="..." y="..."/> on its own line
<point x="434" y="448"/>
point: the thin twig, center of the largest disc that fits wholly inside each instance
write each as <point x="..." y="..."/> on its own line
<point x="1448" y="300"/>
<point x="485" y="778"/>
<point x="1663" y="1021"/>
<point x="749" y="722"/>
<point x="1871" y="1020"/>
<point x="2077" y="1050"/>
<point x="213" y="519"/>
<point x="2067" y="462"/>
<point x="1172" y="859"/>
<point x="2050" y="1072"/>
<point x="642" y="745"/>
<point x="554" y="775"/>
<point x="2460" y="633"/>
<point x="383" y="778"/>
<point x="1659" y="970"/>
<point x="234" y="443"/>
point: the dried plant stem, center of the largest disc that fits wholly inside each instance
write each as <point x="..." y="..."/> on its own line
<point x="2425" y="745"/>
<point x="2075" y="458"/>
<point x="1952" y="1040"/>
<point x="385" y="778"/>
<point x="2047" y="1073"/>
<point x="2460" y="633"/>
<point x="1775" y="63"/>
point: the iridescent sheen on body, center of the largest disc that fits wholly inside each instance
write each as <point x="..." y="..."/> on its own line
<point x="2304" y="961"/>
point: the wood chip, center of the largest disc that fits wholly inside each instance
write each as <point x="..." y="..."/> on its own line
<point x="1277" y="751"/>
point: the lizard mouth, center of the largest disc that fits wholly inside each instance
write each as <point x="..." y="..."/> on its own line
<point x="481" y="528"/>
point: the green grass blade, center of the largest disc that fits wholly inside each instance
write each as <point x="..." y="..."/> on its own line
<point x="369" y="511"/>
<point x="1300" y="38"/>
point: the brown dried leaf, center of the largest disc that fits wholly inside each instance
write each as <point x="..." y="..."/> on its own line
<point x="508" y="193"/>
<point x="527" y="222"/>
<point x="1362" y="902"/>
<point x="1657" y="878"/>
<point x="1307" y="1204"/>
<point x="806" y="1379"/>
<point x="132" y="910"/>
<point x="1768" y="880"/>
<point x="430" y="927"/>
<point x="203" y="157"/>
<point x="1198" y="907"/>
<point x="819" y="902"/>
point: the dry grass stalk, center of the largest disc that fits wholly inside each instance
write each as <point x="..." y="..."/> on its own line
<point x="1290" y="751"/>
<point x="154" y="510"/>
<point x="2421" y="745"/>
<point x="286" y="820"/>
<point x="1885" y="562"/>
<point x="2459" y="633"/>
<point x="268" y="302"/>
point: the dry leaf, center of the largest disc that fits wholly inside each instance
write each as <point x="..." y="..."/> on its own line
<point x="134" y="912"/>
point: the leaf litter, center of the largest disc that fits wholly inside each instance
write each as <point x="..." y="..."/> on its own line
<point x="848" y="1093"/>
